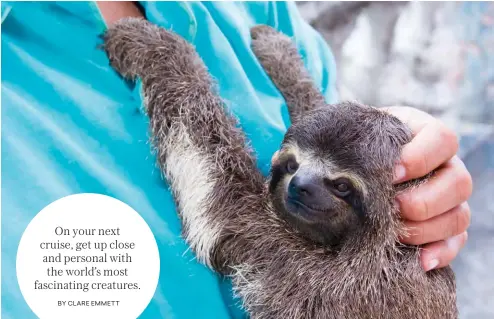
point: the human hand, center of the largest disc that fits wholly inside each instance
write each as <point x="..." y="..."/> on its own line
<point x="436" y="212"/>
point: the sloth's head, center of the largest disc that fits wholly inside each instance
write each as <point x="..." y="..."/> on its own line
<point x="332" y="177"/>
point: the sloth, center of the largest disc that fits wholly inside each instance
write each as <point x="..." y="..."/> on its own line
<point x="318" y="237"/>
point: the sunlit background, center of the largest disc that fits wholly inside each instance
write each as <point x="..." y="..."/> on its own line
<point x="439" y="57"/>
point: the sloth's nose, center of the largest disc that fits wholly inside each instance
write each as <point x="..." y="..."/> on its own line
<point x="309" y="190"/>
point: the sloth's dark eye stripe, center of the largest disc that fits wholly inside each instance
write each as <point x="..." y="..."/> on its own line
<point x="276" y="176"/>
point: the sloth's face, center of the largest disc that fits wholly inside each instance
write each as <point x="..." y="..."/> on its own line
<point x="334" y="168"/>
<point x="322" y="201"/>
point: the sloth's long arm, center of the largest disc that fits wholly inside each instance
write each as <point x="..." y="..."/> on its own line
<point x="280" y="59"/>
<point x="201" y="151"/>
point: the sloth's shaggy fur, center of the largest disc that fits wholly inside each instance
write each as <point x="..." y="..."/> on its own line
<point x="230" y="216"/>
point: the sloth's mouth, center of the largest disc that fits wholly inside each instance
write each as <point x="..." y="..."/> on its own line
<point x="301" y="209"/>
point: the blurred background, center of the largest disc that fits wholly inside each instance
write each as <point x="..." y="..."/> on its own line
<point x="439" y="57"/>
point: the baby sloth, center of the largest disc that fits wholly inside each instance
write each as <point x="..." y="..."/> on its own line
<point x="319" y="237"/>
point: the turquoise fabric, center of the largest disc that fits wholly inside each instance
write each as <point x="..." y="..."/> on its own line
<point x="70" y="124"/>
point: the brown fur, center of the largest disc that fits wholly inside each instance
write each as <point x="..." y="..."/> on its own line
<point x="277" y="272"/>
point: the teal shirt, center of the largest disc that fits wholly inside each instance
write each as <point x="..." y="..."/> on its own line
<point x="70" y="124"/>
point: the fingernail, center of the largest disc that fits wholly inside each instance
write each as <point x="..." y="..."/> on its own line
<point x="454" y="243"/>
<point x="431" y="264"/>
<point x="399" y="173"/>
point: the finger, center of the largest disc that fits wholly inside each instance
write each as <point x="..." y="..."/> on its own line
<point x="441" y="253"/>
<point x="449" y="187"/>
<point x="414" y="118"/>
<point x="433" y="145"/>
<point x="449" y="224"/>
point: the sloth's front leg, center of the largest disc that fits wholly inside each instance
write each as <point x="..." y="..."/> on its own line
<point x="203" y="154"/>
<point x="280" y="59"/>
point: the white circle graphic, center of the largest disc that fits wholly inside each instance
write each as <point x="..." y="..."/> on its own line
<point x="88" y="256"/>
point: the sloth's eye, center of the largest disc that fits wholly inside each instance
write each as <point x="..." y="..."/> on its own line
<point x="291" y="166"/>
<point x="342" y="187"/>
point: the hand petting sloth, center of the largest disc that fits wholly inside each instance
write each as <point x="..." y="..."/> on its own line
<point x="436" y="212"/>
